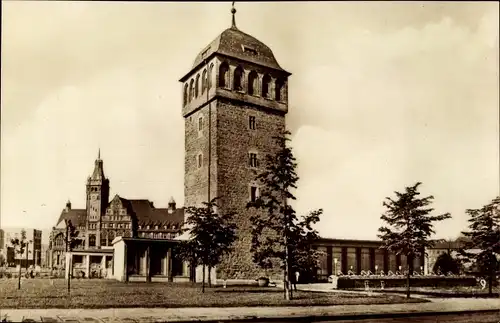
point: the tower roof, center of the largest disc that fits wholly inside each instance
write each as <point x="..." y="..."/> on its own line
<point x="235" y="43"/>
<point x="98" y="173"/>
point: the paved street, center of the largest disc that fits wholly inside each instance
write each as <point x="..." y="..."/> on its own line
<point x="461" y="318"/>
<point x="242" y="313"/>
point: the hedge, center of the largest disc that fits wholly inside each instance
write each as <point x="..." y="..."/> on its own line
<point x="345" y="282"/>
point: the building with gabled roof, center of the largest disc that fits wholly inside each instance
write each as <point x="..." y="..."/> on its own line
<point x="102" y="221"/>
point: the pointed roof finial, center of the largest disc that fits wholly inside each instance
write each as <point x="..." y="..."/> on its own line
<point x="99" y="153"/>
<point x="233" y="11"/>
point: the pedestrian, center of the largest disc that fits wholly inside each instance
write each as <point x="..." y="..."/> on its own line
<point x="296" y="280"/>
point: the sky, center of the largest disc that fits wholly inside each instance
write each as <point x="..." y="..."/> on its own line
<point x="383" y="94"/>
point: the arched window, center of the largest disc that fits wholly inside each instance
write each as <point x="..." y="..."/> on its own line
<point x="204" y="81"/>
<point x="279" y="90"/>
<point x="266" y="84"/>
<point x="238" y="79"/>
<point x="191" y="90"/>
<point x="252" y="82"/>
<point x="197" y="86"/>
<point x="210" y="75"/>
<point x="224" y="75"/>
<point x="185" y="97"/>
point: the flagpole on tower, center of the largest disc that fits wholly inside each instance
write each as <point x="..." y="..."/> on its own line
<point x="233" y="11"/>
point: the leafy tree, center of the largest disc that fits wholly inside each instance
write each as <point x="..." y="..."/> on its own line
<point x="483" y="245"/>
<point x="212" y="236"/>
<point x="19" y="244"/>
<point x="446" y="263"/>
<point x="71" y="242"/>
<point x="409" y="225"/>
<point x="278" y="234"/>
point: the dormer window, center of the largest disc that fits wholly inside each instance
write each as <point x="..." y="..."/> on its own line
<point x="205" y="52"/>
<point x="147" y="227"/>
<point x="249" y="50"/>
<point x="156" y="227"/>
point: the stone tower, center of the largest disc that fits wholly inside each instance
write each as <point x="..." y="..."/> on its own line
<point x="235" y="98"/>
<point x="97" y="200"/>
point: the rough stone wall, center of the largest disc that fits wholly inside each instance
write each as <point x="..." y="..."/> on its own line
<point x="196" y="179"/>
<point x="235" y="176"/>
<point x="231" y="141"/>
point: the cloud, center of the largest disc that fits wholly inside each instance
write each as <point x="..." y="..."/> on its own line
<point x="409" y="110"/>
<point x="382" y="95"/>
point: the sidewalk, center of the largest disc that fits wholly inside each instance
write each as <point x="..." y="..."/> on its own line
<point x="242" y="313"/>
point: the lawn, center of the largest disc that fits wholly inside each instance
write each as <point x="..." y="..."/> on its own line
<point x="40" y="293"/>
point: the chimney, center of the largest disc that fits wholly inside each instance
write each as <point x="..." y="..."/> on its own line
<point x="171" y="205"/>
<point x="68" y="206"/>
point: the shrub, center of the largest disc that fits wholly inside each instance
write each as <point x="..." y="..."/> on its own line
<point x="445" y="263"/>
<point x="346" y="282"/>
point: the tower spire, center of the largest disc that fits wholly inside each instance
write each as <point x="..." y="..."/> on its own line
<point x="233" y="11"/>
<point x="99" y="154"/>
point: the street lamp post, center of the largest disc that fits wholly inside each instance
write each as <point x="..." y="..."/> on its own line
<point x="27" y="252"/>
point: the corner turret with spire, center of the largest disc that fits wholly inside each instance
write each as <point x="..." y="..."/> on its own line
<point x="97" y="200"/>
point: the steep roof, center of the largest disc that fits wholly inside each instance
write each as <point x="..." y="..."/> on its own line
<point x="234" y="43"/>
<point x="77" y="216"/>
<point x="146" y="213"/>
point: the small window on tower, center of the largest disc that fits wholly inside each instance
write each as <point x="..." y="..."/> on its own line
<point x="252" y="160"/>
<point x="200" y="123"/>
<point x="200" y="160"/>
<point x="251" y="123"/>
<point x="253" y="193"/>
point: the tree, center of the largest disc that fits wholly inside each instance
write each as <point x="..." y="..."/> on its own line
<point x="279" y="234"/>
<point x="409" y="225"/>
<point x="483" y="245"/>
<point x="19" y="244"/>
<point x="71" y="241"/>
<point x="212" y="236"/>
<point x="446" y="264"/>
